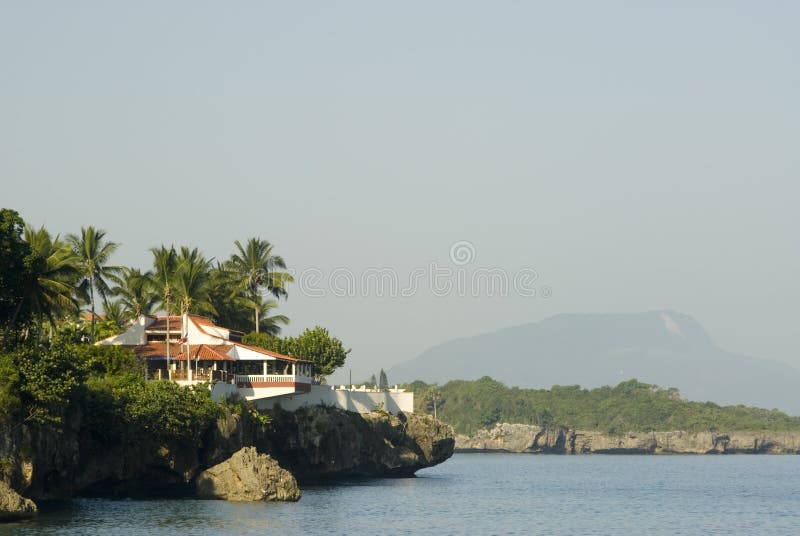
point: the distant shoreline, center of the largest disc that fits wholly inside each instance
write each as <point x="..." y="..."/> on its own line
<point x="529" y="439"/>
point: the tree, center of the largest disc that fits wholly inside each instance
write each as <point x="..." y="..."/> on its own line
<point x="190" y="282"/>
<point x="271" y="323"/>
<point x="13" y="251"/>
<point x="136" y="293"/>
<point x="165" y="262"/>
<point x="281" y="345"/>
<point x="93" y="253"/>
<point x="256" y="268"/>
<point x="115" y="313"/>
<point x="50" y="272"/>
<point x="433" y="398"/>
<point x="230" y="303"/>
<point x="318" y="346"/>
<point x="383" y="381"/>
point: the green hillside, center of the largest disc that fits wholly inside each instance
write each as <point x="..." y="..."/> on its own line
<point x="630" y="406"/>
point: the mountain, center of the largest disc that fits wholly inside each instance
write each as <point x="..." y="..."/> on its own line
<point x="660" y="347"/>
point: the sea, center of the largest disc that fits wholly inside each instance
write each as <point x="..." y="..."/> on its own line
<point x="478" y="494"/>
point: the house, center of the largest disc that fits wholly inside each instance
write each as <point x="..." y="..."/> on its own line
<point x="192" y="349"/>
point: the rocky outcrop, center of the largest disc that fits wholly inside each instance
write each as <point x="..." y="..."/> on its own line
<point x="560" y="440"/>
<point x="247" y="476"/>
<point x="315" y="444"/>
<point x="321" y="443"/>
<point x="13" y="505"/>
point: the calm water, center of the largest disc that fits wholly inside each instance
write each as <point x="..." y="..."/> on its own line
<point x="489" y="494"/>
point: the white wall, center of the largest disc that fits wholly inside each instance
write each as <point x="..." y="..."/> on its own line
<point x="356" y="401"/>
<point x="222" y="390"/>
<point x="132" y="336"/>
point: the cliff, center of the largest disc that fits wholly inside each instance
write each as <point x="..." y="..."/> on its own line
<point x="315" y="444"/>
<point x="560" y="440"/>
<point x="321" y="443"/>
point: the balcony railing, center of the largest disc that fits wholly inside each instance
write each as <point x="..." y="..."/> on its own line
<point x="202" y="375"/>
<point x="269" y="378"/>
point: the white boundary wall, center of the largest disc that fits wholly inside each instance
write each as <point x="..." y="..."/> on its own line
<point x="362" y="401"/>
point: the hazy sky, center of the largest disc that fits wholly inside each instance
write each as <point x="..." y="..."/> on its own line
<point x="636" y="155"/>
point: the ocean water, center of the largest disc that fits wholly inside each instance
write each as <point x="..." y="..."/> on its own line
<point x="487" y="494"/>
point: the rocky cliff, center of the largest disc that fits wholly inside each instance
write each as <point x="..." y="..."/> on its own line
<point x="320" y="443"/>
<point x="314" y="443"/>
<point x="560" y="440"/>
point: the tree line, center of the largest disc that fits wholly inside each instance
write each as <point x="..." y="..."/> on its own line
<point x="47" y="280"/>
<point x="629" y="406"/>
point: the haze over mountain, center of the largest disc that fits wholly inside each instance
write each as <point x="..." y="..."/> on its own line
<point x="661" y="347"/>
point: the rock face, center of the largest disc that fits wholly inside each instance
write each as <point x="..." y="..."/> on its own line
<point x="321" y="443"/>
<point x="247" y="476"/>
<point x="13" y="505"/>
<point x="315" y="444"/>
<point x="528" y="438"/>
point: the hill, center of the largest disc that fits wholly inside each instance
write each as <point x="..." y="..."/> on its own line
<point x="473" y="405"/>
<point x="658" y="347"/>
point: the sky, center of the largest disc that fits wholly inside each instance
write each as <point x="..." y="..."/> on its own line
<point x="429" y="170"/>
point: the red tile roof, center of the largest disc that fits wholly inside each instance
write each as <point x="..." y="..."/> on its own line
<point x="207" y="352"/>
<point x="175" y="324"/>
<point x="155" y="349"/>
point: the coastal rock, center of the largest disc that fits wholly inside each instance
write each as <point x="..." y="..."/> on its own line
<point x="322" y="443"/>
<point x="13" y="505"/>
<point x="316" y="444"/>
<point x="247" y="476"/>
<point x="560" y="440"/>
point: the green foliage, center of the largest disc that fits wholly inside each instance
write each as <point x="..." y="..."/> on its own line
<point x="380" y="410"/>
<point x="93" y="252"/>
<point x="125" y="408"/>
<point x="630" y="406"/>
<point x="315" y="345"/>
<point x="109" y="360"/>
<point x="13" y="251"/>
<point x="383" y="381"/>
<point x="252" y="269"/>
<point x="273" y="343"/>
<point x="10" y="403"/>
<point x="48" y="379"/>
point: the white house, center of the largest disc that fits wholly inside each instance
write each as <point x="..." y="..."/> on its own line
<point x="216" y="355"/>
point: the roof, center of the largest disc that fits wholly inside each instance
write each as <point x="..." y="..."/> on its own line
<point x="160" y="324"/>
<point x="154" y="349"/>
<point x="203" y="352"/>
<point x="207" y="352"/>
<point x="272" y="354"/>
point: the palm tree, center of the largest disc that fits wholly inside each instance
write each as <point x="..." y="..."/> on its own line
<point x="257" y="268"/>
<point x="93" y="253"/>
<point x="51" y="271"/>
<point x="191" y="280"/>
<point x="271" y="324"/>
<point x="136" y="292"/>
<point x="116" y="313"/>
<point x="165" y="262"/>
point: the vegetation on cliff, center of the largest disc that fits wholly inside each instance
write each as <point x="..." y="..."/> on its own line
<point x="106" y="387"/>
<point x="632" y="405"/>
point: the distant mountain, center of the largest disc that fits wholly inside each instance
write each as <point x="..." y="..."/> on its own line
<point x="660" y="347"/>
